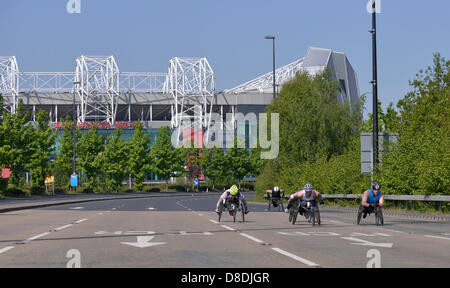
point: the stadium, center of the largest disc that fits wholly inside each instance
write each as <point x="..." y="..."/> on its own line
<point x="98" y="92"/>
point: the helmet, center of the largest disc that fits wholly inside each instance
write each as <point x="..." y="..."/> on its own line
<point x="308" y="187"/>
<point x="234" y="190"/>
<point x="376" y="186"/>
<point x="276" y="189"/>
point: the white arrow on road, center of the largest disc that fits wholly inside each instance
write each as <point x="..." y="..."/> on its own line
<point x="143" y="242"/>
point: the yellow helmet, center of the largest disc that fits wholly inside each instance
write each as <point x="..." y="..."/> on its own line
<point x="234" y="190"/>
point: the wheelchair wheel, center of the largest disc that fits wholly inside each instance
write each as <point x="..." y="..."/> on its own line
<point x="379" y="216"/>
<point x="242" y="212"/>
<point x="358" y="218"/>
<point x="317" y="215"/>
<point x="313" y="216"/>
<point x="220" y="215"/>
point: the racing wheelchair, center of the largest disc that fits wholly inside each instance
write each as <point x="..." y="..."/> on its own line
<point x="373" y="208"/>
<point x="233" y="206"/>
<point x="275" y="200"/>
<point x="308" y="207"/>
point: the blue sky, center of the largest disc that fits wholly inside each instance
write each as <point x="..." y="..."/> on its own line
<point x="144" y="34"/>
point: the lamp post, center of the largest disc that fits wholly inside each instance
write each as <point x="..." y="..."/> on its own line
<point x="273" y="50"/>
<point x="74" y="164"/>
<point x="375" y="88"/>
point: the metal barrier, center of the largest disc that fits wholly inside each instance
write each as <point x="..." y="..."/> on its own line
<point x="406" y="198"/>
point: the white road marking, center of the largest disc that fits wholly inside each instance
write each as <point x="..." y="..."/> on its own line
<point x="213" y="221"/>
<point x="229" y="228"/>
<point x="37" y="237"/>
<point x="393" y="230"/>
<point x="438" y="237"/>
<point x="200" y="214"/>
<point x="143" y="242"/>
<point x="151" y="208"/>
<point x="80" y="221"/>
<point x="252" y="238"/>
<point x="63" y="227"/>
<point x="370" y="235"/>
<point x="195" y="233"/>
<point x="367" y="243"/>
<point x="295" y="257"/>
<point x="76" y="208"/>
<point x="3" y="250"/>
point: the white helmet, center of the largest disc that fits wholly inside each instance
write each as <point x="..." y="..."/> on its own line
<point x="276" y="189"/>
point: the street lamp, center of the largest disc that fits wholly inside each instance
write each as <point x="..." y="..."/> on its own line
<point x="273" y="50"/>
<point x="75" y="84"/>
<point x="375" y="88"/>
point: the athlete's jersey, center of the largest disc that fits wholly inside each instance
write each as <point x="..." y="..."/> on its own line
<point x="227" y="195"/>
<point x="372" y="198"/>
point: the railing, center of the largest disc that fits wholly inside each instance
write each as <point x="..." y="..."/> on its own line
<point x="405" y="198"/>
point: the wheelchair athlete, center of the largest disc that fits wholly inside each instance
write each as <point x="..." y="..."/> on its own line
<point x="229" y="195"/>
<point x="274" y="196"/>
<point x="308" y="194"/>
<point x="371" y="198"/>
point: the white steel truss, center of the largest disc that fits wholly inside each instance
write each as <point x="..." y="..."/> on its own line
<point x="264" y="83"/>
<point x="191" y="83"/>
<point x="97" y="88"/>
<point x="47" y="82"/>
<point x="142" y="82"/>
<point x="9" y="81"/>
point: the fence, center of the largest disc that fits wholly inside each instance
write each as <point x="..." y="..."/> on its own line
<point x="396" y="198"/>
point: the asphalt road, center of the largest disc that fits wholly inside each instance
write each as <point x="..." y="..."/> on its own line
<point x="183" y="232"/>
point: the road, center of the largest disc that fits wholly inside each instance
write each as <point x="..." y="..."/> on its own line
<point x="183" y="232"/>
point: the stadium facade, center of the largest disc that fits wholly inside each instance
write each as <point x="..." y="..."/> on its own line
<point x="103" y="94"/>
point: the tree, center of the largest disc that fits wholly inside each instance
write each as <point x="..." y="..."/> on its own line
<point x="63" y="166"/>
<point x="88" y="150"/>
<point x="167" y="161"/>
<point x="420" y="162"/>
<point x="17" y="135"/>
<point x="214" y="164"/>
<point x="312" y="122"/>
<point x="115" y="159"/>
<point x="42" y="145"/>
<point x="139" y="163"/>
<point x="238" y="162"/>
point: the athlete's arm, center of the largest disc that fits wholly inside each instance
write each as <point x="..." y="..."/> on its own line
<point x="381" y="200"/>
<point x="364" y="199"/>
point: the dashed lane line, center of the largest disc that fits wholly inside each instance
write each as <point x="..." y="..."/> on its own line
<point x="251" y="238"/>
<point x="295" y="257"/>
<point x="37" y="237"/>
<point x="438" y="237"/>
<point x="3" y="250"/>
<point x="228" y="228"/>
<point x="80" y="221"/>
<point x="63" y="227"/>
<point x="213" y="221"/>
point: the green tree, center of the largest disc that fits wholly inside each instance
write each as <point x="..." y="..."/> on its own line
<point x="238" y="162"/>
<point x="139" y="163"/>
<point x="63" y="166"/>
<point x="167" y="161"/>
<point x="42" y="145"/>
<point x="17" y="133"/>
<point x="312" y="122"/>
<point x="115" y="160"/>
<point x="214" y="165"/>
<point x="420" y="163"/>
<point x="88" y="151"/>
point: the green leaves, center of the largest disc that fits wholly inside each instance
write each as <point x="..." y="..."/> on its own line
<point x="88" y="151"/>
<point x="139" y="160"/>
<point x="42" y="145"/>
<point x="420" y="162"/>
<point x="115" y="160"/>
<point x="167" y="161"/>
